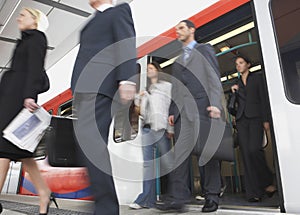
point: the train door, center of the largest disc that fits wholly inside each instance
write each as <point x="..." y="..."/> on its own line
<point x="232" y="34"/>
<point x="279" y="33"/>
<point x="125" y="148"/>
<point x="11" y="184"/>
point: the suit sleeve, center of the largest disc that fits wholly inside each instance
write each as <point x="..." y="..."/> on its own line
<point x="124" y="35"/>
<point x="214" y="84"/>
<point x="265" y="108"/>
<point x="173" y="108"/>
<point x="36" y="55"/>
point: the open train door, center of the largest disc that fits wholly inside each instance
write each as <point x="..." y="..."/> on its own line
<point x="279" y="33"/>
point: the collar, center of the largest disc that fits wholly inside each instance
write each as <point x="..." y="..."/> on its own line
<point x="27" y="33"/>
<point x="104" y="7"/>
<point x="191" y="45"/>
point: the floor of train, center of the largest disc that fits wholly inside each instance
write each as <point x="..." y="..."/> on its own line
<point x="230" y="204"/>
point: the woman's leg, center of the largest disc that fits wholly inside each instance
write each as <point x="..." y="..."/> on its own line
<point x="38" y="182"/>
<point x="4" y="165"/>
<point x="147" y="197"/>
<point x="166" y="153"/>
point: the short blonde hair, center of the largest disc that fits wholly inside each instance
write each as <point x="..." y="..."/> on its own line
<point x="40" y="18"/>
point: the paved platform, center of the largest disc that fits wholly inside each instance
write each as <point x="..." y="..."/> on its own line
<point x="20" y="205"/>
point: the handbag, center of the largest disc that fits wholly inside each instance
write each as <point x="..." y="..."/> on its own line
<point x="40" y="152"/>
<point x="45" y="83"/>
<point x="210" y="146"/>
<point x="61" y="144"/>
<point x="232" y="103"/>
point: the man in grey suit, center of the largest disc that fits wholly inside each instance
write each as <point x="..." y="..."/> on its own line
<point x="196" y="100"/>
<point x="101" y="82"/>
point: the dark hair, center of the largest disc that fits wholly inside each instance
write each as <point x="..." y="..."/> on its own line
<point x="159" y="70"/>
<point x="188" y="23"/>
<point x="247" y="60"/>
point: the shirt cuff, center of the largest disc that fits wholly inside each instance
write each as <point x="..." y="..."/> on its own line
<point x="127" y="82"/>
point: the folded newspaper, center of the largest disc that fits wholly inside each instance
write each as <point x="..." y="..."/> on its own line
<point x="27" y="129"/>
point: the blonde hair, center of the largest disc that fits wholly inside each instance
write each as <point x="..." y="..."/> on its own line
<point x="40" y="18"/>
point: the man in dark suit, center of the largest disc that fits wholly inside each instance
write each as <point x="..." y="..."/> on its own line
<point x="102" y="83"/>
<point x="196" y="96"/>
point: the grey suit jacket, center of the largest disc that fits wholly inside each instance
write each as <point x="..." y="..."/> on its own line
<point x="196" y="83"/>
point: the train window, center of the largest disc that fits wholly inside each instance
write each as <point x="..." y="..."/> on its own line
<point x="66" y="109"/>
<point x="285" y="12"/>
<point x="50" y="111"/>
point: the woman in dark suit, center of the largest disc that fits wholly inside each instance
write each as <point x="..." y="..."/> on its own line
<point x="19" y="88"/>
<point x="252" y="118"/>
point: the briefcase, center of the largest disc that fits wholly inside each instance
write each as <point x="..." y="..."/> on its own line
<point x="224" y="150"/>
<point x="62" y="149"/>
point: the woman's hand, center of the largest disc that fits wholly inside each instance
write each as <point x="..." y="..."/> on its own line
<point x="30" y="104"/>
<point x="142" y="93"/>
<point x="234" y="88"/>
<point x="170" y="135"/>
<point x="171" y="120"/>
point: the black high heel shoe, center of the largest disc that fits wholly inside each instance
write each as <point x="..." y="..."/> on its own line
<point x="1" y="208"/>
<point x="51" y="199"/>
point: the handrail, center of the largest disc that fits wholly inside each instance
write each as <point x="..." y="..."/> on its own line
<point x="235" y="48"/>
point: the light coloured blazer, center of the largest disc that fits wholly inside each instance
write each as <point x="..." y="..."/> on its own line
<point x="154" y="106"/>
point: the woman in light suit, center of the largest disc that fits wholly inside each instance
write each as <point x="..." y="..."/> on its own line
<point x="154" y="109"/>
<point x="19" y="88"/>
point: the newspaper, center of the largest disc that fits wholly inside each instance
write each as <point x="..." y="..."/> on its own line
<point x="27" y="129"/>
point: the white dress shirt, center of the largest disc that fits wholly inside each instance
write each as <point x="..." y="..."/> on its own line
<point x="104" y="7"/>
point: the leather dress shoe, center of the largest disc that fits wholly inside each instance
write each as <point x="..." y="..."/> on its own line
<point x="254" y="199"/>
<point x="270" y="194"/>
<point x="209" y="206"/>
<point x="170" y="206"/>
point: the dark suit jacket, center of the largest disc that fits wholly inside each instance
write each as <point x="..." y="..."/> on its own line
<point x="252" y="98"/>
<point x="107" y="53"/>
<point x="197" y="83"/>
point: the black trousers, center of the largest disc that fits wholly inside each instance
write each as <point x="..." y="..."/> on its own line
<point x="257" y="174"/>
<point x="91" y="130"/>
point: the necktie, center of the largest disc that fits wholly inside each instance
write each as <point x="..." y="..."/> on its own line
<point x="186" y="53"/>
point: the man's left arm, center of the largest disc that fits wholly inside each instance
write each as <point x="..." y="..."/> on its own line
<point x="214" y="83"/>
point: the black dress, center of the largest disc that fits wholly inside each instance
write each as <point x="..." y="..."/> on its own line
<point x="23" y="80"/>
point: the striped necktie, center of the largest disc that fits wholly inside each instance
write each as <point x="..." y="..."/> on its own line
<point x="186" y="53"/>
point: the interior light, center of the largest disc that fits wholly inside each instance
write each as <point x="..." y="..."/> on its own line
<point x="232" y="33"/>
<point x="224" y="48"/>
<point x="168" y="62"/>
<point x="255" y="68"/>
<point x="217" y="40"/>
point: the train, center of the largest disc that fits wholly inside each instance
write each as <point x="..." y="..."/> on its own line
<point x="260" y="29"/>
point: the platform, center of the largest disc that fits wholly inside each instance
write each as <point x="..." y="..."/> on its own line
<point x="20" y="205"/>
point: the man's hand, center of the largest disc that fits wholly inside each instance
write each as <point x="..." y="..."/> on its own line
<point x="266" y="126"/>
<point x="171" y="120"/>
<point x="170" y="135"/>
<point x="214" y="112"/>
<point x="30" y="104"/>
<point x="127" y="92"/>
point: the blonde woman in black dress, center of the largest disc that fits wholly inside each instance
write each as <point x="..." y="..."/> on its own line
<point x="19" y="88"/>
